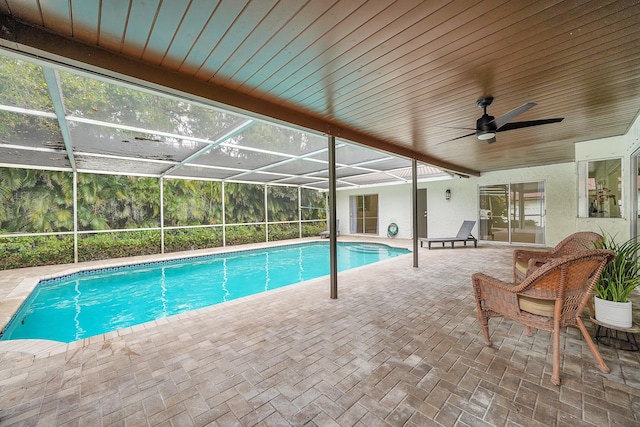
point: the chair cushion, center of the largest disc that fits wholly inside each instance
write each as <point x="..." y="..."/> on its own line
<point x="541" y="307"/>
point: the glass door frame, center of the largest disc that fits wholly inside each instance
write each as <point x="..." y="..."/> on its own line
<point x="633" y="190"/>
<point x="355" y="219"/>
<point x="488" y="219"/>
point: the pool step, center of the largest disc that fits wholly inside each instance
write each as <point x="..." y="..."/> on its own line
<point x="367" y="249"/>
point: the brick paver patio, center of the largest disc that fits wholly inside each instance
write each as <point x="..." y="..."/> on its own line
<point x="399" y="347"/>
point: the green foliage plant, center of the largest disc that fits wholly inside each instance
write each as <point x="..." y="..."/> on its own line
<point x="31" y="251"/>
<point x="313" y="229"/>
<point x="100" y="246"/>
<point x="283" y="231"/>
<point x="192" y="238"/>
<point x="622" y="275"/>
<point x="243" y="234"/>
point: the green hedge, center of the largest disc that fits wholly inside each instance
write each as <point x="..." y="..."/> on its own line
<point x="311" y="229"/>
<point x="192" y="238"/>
<point x="243" y="234"/>
<point x="283" y="232"/>
<point x="93" y="247"/>
<point x="18" y="252"/>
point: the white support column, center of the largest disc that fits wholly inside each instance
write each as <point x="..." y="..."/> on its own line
<point x="299" y="212"/>
<point x="161" y="215"/>
<point x="75" y="216"/>
<point x="224" y="218"/>
<point x="266" y="214"/>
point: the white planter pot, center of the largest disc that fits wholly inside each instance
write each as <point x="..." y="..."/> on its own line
<point x="614" y="313"/>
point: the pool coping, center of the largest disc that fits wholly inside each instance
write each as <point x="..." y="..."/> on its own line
<point x="45" y="348"/>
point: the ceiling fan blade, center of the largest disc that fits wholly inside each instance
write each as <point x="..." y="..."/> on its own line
<point x="520" y="125"/>
<point x="459" y="137"/>
<point x="507" y="117"/>
<point x="454" y="127"/>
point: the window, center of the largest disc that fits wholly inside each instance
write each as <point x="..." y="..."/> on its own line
<point x="363" y="214"/>
<point x="512" y="212"/>
<point x="600" y="193"/>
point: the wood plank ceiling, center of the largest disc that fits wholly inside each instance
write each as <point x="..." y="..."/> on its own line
<point x="394" y="74"/>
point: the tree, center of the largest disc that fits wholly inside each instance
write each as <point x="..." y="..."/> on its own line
<point x="192" y="202"/>
<point x="282" y="203"/>
<point x="117" y="202"/>
<point x="244" y="203"/>
<point x="35" y="201"/>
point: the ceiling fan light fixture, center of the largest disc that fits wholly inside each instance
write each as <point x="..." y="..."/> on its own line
<point x="483" y="135"/>
<point x="485" y="127"/>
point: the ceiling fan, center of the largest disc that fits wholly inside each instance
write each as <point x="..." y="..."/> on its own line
<point x="487" y="126"/>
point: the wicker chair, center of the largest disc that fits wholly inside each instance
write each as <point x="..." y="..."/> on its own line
<point x="552" y="297"/>
<point x="525" y="261"/>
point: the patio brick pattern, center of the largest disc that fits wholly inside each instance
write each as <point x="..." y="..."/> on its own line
<point x="399" y="347"/>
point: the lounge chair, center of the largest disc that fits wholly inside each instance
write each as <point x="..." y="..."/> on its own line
<point x="326" y="232"/>
<point x="464" y="235"/>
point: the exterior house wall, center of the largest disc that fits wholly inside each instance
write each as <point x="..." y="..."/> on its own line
<point x="624" y="147"/>
<point x="446" y="216"/>
<point x="561" y="188"/>
<point x="394" y="205"/>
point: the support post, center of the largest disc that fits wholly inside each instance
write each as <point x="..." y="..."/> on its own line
<point x="299" y="212"/>
<point x="266" y="214"/>
<point x="224" y="217"/>
<point x="161" y="215"/>
<point x="414" y="202"/>
<point x="75" y="216"/>
<point x="333" y="241"/>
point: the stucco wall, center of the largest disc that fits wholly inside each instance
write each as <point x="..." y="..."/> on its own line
<point x="394" y="205"/>
<point x="560" y="188"/>
<point x="446" y="216"/>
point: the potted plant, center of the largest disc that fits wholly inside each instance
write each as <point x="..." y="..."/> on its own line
<point x="618" y="279"/>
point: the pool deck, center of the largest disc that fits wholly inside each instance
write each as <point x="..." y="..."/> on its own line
<point x="399" y="347"/>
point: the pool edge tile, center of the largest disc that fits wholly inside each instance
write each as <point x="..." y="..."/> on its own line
<point x="38" y="348"/>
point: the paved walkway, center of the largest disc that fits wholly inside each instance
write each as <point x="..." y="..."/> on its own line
<point x="399" y="347"/>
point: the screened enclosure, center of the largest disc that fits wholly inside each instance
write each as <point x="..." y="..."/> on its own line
<point x="93" y="168"/>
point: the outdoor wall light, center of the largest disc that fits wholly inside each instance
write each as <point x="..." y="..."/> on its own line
<point x="447" y="194"/>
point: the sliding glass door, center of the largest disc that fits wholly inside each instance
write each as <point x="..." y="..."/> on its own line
<point x="364" y="214"/>
<point x="526" y="218"/>
<point x="512" y="213"/>
<point x="494" y="208"/>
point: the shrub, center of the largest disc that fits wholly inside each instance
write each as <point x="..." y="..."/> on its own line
<point x="33" y="251"/>
<point x="116" y="245"/>
<point x="243" y="234"/>
<point x="283" y="232"/>
<point x="192" y="238"/>
<point x="311" y="229"/>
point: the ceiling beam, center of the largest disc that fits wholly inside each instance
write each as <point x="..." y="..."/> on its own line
<point x="52" y="48"/>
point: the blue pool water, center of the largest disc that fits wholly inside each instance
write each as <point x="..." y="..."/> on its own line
<point x="92" y="303"/>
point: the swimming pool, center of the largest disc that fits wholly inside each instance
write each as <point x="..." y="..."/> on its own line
<point x="98" y="301"/>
